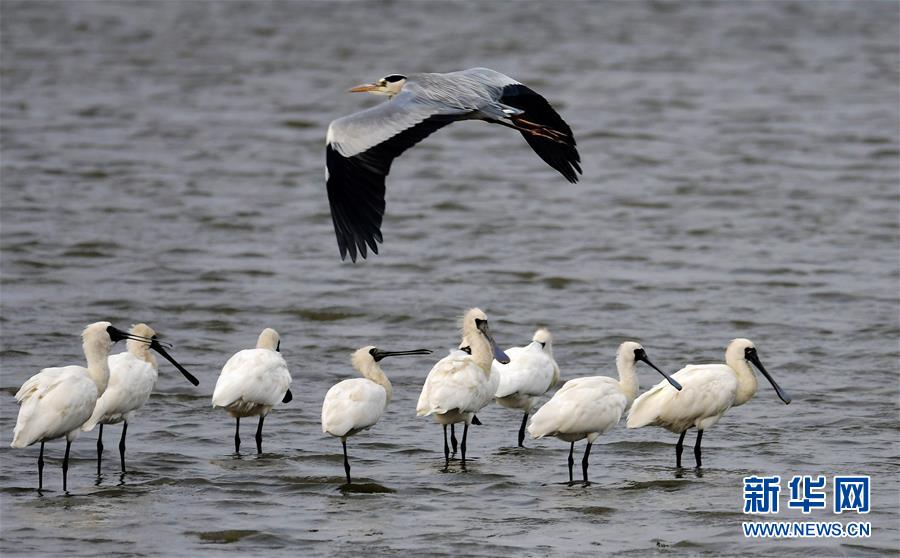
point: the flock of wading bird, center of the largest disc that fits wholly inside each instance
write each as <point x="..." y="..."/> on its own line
<point x="360" y="149"/>
<point x="61" y="402"/>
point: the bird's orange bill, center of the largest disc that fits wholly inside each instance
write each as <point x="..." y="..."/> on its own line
<point x="378" y="354"/>
<point x="670" y="379"/>
<point x="781" y="393"/>
<point x="157" y="346"/>
<point x="363" y="88"/>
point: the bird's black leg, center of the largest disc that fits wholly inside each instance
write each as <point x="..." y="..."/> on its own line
<point x="584" y="461"/>
<point x="697" y="447"/>
<point x="571" y="460"/>
<point x="41" y="468"/>
<point x="99" y="449"/>
<point x="66" y="464"/>
<point x="522" y="431"/>
<point x="453" y="437"/>
<point x="446" y="449"/>
<point x="122" y="444"/>
<point x="259" y="435"/>
<point x="462" y="445"/>
<point x="679" y="447"/>
<point x="346" y="461"/>
<point x="237" y="435"/>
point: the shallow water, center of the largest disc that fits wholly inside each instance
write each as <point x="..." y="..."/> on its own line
<point x="163" y="162"/>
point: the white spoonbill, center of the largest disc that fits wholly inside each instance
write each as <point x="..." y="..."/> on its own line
<point x="132" y="375"/>
<point x="461" y="383"/>
<point x="709" y="391"/>
<point x="531" y="372"/>
<point x="355" y="405"/>
<point x="252" y="382"/>
<point x="590" y="406"/>
<point x="56" y="401"/>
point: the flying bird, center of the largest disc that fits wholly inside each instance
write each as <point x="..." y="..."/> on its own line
<point x="709" y="391"/>
<point x="531" y="372"/>
<point x="132" y="376"/>
<point x="56" y="401"/>
<point x="357" y="404"/>
<point x="360" y="147"/>
<point x="461" y="383"/>
<point x="252" y="382"/>
<point x="590" y="406"/>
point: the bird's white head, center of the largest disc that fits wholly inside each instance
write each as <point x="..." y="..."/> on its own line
<point x="630" y="352"/>
<point x="139" y="347"/>
<point x="99" y="337"/>
<point x="477" y="337"/>
<point x="388" y="85"/>
<point x="743" y="350"/>
<point x="543" y="337"/>
<point x="269" y="339"/>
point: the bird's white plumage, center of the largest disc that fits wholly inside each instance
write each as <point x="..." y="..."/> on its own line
<point x="253" y="380"/>
<point x="56" y="401"/>
<point x="708" y="390"/>
<point x="531" y="372"/>
<point x="131" y="381"/>
<point x="590" y="406"/>
<point x="456" y="383"/>
<point x="582" y="408"/>
<point x="461" y="383"/>
<point x="352" y="405"/>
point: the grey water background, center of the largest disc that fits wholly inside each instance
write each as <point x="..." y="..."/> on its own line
<point x="163" y="162"/>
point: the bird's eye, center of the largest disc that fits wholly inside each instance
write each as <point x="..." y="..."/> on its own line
<point x="393" y="78"/>
<point x="372" y="351"/>
<point x="543" y="344"/>
<point x="153" y="338"/>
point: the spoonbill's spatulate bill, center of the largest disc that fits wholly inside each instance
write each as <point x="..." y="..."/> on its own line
<point x="709" y="391"/>
<point x="461" y="383"/>
<point x="354" y="405"/>
<point x="252" y="382"/>
<point x="360" y="147"/>
<point x="531" y="372"/>
<point x="590" y="406"/>
<point x="57" y="401"/>
<point x="132" y="375"/>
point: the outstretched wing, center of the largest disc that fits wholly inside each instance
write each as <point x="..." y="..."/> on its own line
<point x="358" y="155"/>
<point x="559" y="151"/>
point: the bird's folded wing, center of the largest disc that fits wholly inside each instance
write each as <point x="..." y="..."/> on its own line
<point x="358" y="154"/>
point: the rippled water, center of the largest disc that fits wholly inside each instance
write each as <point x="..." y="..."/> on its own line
<point x="163" y="162"/>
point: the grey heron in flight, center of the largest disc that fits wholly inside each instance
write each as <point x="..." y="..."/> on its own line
<point x="360" y="147"/>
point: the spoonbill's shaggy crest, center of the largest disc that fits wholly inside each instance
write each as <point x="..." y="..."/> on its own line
<point x="252" y="382"/>
<point x="591" y="406"/>
<point x="132" y="375"/>
<point x="531" y="372"/>
<point x="355" y="405"/>
<point x="361" y="147"/>
<point x="461" y="383"/>
<point x="709" y="391"/>
<point x="57" y="401"/>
